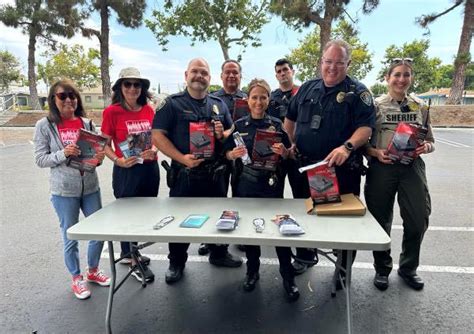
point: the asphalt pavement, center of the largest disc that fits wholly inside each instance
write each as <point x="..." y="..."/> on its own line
<point x="35" y="291"/>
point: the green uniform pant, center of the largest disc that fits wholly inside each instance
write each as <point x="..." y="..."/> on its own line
<point x="409" y="182"/>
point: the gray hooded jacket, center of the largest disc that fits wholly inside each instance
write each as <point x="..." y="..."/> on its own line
<point x="49" y="153"/>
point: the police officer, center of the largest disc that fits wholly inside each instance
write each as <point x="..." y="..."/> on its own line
<point x="279" y="101"/>
<point x="231" y="75"/>
<point x="385" y="178"/>
<point x="252" y="182"/>
<point x="331" y="118"/>
<point x="190" y="176"/>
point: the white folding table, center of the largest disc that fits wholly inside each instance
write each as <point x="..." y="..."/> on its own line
<point x="132" y="219"/>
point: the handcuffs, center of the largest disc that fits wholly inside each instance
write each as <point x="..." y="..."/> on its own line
<point x="259" y="224"/>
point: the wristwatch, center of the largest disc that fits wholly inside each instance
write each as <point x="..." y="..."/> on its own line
<point x="348" y="146"/>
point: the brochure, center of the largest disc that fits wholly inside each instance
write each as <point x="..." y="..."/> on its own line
<point x="323" y="183"/>
<point x="406" y="139"/>
<point x="228" y="220"/>
<point x="201" y="139"/>
<point x="89" y="143"/>
<point x="262" y="155"/>
<point x="241" y="109"/>
<point x="135" y="144"/>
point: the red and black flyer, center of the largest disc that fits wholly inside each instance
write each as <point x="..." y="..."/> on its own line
<point x="201" y="139"/>
<point x="241" y="109"/>
<point x="89" y="143"/>
<point x="262" y="155"/>
<point x="406" y="139"/>
<point x="323" y="183"/>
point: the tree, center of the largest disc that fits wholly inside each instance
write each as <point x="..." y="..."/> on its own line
<point x="129" y="14"/>
<point x="425" y="69"/>
<point x="228" y="22"/>
<point x="463" y="56"/>
<point x="9" y="69"/>
<point x="378" y="89"/>
<point x="71" y="63"/>
<point x="297" y="13"/>
<point x="306" y="56"/>
<point x="214" y="88"/>
<point x="446" y="74"/>
<point x="41" y="20"/>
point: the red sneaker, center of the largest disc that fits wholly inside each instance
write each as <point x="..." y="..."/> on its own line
<point x="80" y="289"/>
<point x="97" y="276"/>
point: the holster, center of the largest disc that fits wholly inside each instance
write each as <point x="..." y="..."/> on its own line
<point x="355" y="162"/>
<point x="171" y="174"/>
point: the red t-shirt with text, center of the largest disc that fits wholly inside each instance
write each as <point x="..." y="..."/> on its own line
<point x="118" y="123"/>
<point x="69" y="130"/>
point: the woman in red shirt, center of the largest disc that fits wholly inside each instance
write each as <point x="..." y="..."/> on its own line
<point x="127" y="123"/>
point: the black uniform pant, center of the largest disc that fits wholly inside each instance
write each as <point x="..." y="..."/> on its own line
<point x="195" y="184"/>
<point x="284" y="258"/>
<point x="349" y="182"/>
<point x="409" y="182"/>
<point x="140" y="180"/>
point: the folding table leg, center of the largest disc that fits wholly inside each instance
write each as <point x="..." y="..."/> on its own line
<point x="110" y="299"/>
<point x="348" y="291"/>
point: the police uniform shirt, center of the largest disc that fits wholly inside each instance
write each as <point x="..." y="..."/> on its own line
<point x="229" y="98"/>
<point x="340" y="114"/>
<point x="279" y="101"/>
<point x="247" y="127"/>
<point x="390" y="112"/>
<point x="180" y="109"/>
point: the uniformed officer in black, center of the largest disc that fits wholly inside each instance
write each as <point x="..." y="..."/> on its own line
<point x="279" y="102"/>
<point x="253" y="182"/>
<point x="231" y="76"/>
<point x="330" y="118"/>
<point x="192" y="177"/>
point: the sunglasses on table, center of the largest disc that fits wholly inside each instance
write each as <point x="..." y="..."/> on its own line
<point x="63" y="95"/>
<point x="402" y="60"/>
<point x="128" y="84"/>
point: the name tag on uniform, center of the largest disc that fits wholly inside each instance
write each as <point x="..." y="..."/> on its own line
<point x="394" y="118"/>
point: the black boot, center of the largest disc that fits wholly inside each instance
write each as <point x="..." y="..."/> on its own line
<point x="174" y="273"/>
<point x="292" y="292"/>
<point x="250" y="281"/>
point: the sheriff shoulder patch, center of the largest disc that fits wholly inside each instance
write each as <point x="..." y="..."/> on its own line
<point x="366" y="97"/>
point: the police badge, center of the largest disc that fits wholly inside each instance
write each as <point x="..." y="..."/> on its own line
<point x="271" y="128"/>
<point x="366" y="97"/>
<point x="340" y="97"/>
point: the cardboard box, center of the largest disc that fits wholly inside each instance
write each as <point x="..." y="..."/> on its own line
<point x="201" y="139"/>
<point x="322" y="182"/>
<point x="406" y="139"/>
<point x="350" y="205"/>
<point x="262" y="154"/>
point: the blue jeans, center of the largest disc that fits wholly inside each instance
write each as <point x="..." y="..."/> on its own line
<point x="67" y="209"/>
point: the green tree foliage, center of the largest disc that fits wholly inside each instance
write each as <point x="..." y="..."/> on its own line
<point x="298" y="13"/>
<point x="71" y="63"/>
<point x="306" y="56"/>
<point x="229" y="22"/>
<point x="214" y="88"/>
<point x="129" y="13"/>
<point x="378" y="89"/>
<point x="463" y="57"/>
<point x="426" y="70"/>
<point x="9" y="69"/>
<point x="41" y="20"/>
<point x="446" y="74"/>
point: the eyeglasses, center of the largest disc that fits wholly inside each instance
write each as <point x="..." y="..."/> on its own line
<point x="128" y="84"/>
<point x="402" y="60"/>
<point x="63" y="95"/>
<point x="329" y="62"/>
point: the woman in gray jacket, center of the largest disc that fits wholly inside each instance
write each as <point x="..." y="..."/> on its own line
<point x="72" y="190"/>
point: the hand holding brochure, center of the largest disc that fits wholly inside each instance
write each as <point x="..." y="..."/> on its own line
<point x="89" y="143"/>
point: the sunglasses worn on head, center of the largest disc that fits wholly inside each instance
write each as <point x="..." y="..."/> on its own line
<point x="63" y="95"/>
<point x="402" y="60"/>
<point x="128" y="84"/>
